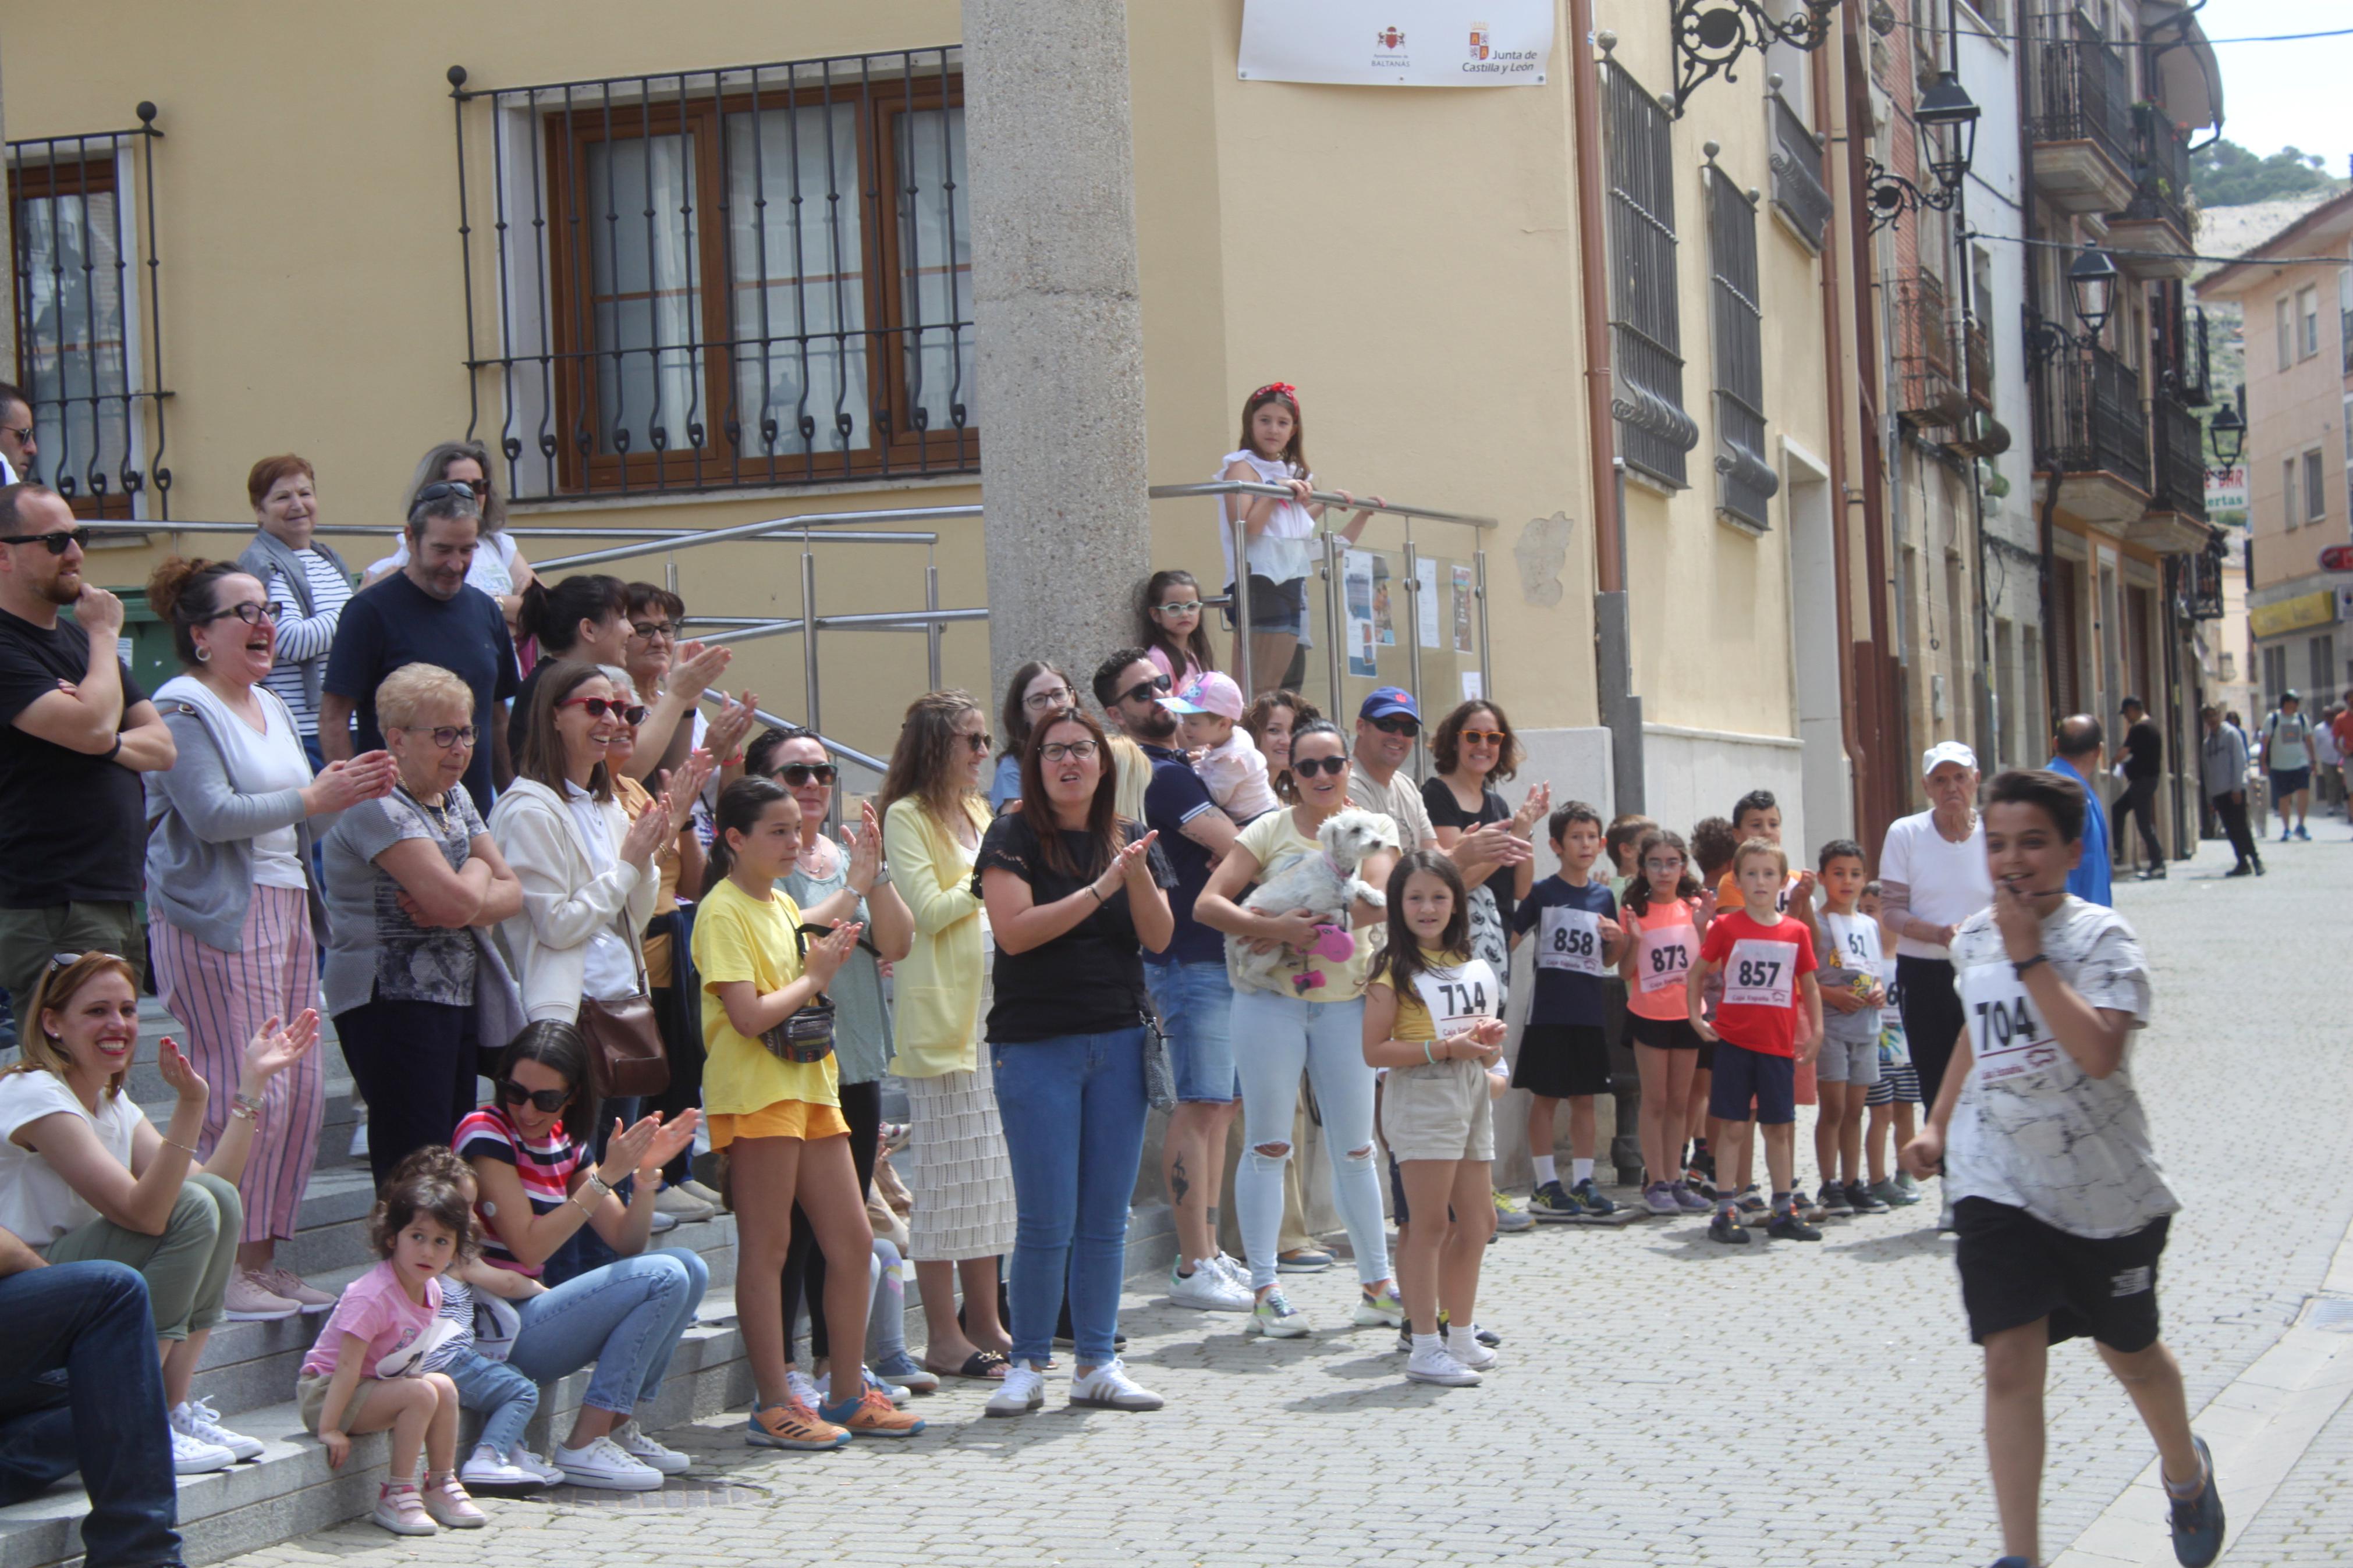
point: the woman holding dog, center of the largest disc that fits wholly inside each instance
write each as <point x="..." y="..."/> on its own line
<point x="1075" y="892"/>
<point x="1309" y="1015"/>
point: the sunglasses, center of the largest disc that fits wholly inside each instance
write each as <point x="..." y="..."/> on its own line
<point x="67" y="960"/>
<point x="628" y="713"/>
<point x="1144" y="690"/>
<point x="547" y="1102"/>
<point x="1056" y="751"/>
<point x="444" y="735"/>
<point x="446" y="489"/>
<point x="1396" y="724"/>
<point x="251" y="615"/>
<point x="796" y="774"/>
<point x="980" y="743"/>
<point x="1481" y="737"/>
<point x="56" y="541"/>
<point x="1178" y="607"/>
<point x="1308" y="767"/>
<point x="22" y="432"/>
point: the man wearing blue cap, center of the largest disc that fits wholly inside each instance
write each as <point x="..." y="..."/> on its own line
<point x="1387" y="723"/>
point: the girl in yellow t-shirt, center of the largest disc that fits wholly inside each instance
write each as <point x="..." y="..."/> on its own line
<point x="778" y="1119"/>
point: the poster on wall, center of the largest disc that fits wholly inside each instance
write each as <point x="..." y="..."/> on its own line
<point x="1425" y="602"/>
<point x="1356" y="574"/>
<point x="1398" y="43"/>
<point x="1462" y="610"/>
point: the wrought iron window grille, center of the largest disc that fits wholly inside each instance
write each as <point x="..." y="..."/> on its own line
<point x="88" y="355"/>
<point x="1800" y="194"/>
<point x="736" y="276"/>
<point x="1746" y="482"/>
<point x="1646" y="359"/>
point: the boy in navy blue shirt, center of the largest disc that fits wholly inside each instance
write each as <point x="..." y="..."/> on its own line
<point x="1564" y="1049"/>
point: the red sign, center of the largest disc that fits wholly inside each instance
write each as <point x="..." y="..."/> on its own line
<point x="2336" y="558"/>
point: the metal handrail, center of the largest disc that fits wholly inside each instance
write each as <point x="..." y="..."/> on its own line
<point x="782" y="527"/>
<point x="839" y="748"/>
<point x="1328" y="498"/>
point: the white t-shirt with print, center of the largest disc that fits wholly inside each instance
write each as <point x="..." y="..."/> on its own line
<point x="2031" y="1128"/>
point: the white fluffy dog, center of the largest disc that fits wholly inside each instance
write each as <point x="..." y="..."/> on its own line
<point x="1326" y="884"/>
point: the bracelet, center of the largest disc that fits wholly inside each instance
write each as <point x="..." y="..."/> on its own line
<point x="250" y="1113"/>
<point x="1426" y="1054"/>
<point x="115" y="750"/>
<point x="598" y="1184"/>
<point x="1092" y="889"/>
<point x="184" y="1148"/>
<point x="575" y="1201"/>
<point x="2023" y="964"/>
<point x="241" y="1101"/>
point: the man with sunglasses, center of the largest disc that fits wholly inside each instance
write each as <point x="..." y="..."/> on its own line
<point x="18" y="450"/>
<point x="427" y="613"/>
<point x="79" y="733"/>
<point x="1188" y="987"/>
<point x="1389" y="723"/>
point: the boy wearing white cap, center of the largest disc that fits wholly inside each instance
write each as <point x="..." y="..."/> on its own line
<point x="1933" y="875"/>
<point x="1207" y="711"/>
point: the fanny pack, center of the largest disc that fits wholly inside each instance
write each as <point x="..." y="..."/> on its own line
<point x="807" y="1035"/>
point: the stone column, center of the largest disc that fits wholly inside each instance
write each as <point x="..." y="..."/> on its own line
<point x="1060" y="327"/>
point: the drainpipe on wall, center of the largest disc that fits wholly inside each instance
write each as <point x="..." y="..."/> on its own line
<point x="2046" y="523"/>
<point x="1852" y="697"/>
<point x="1613" y="648"/>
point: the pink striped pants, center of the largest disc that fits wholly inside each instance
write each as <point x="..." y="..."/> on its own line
<point x="223" y="999"/>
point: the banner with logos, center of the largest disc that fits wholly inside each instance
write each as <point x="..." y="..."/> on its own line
<point x="1399" y="43"/>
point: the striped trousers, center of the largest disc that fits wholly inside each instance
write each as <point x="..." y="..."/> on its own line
<point x="223" y="999"/>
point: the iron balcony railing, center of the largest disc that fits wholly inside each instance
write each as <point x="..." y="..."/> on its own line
<point x="87" y="353"/>
<point x="746" y="275"/>
<point x="1928" y="392"/>
<point x="2089" y="419"/>
<point x="1799" y="192"/>
<point x="2178" y="447"/>
<point x="1977" y="343"/>
<point x="2079" y="88"/>
<point x="2161" y="168"/>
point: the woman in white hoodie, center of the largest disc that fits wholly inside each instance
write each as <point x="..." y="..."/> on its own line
<point x="588" y="882"/>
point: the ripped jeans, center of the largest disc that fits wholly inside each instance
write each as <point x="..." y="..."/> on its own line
<point x="1274" y="1038"/>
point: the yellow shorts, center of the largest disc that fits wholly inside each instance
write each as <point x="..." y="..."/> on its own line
<point x="782" y="1118"/>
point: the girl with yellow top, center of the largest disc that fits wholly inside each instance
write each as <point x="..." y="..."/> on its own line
<point x="933" y="816"/>
<point x="1432" y="1017"/>
<point x="777" y="1115"/>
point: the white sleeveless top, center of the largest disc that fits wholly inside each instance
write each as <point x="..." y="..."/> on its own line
<point x="1283" y="553"/>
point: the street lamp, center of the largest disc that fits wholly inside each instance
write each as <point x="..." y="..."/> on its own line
<point x="2091" y="285"/>
<point x="1945" y="107"/>
<point x="2228" y="432"/>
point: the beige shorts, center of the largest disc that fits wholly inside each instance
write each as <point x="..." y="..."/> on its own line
<point x="1440" y="1111"/>
<point x="310" y="1398"/>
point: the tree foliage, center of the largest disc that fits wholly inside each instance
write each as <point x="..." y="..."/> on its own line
<point x="2226" y="174"/>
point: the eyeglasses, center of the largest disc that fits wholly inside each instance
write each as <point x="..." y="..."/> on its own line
<point x="1178" y="607"/>
<point x="1396" y="724"/>
<point x="1308" y="767"/>
<point x="547" y="1102"/>
<point x="980" y="743"/>
<point x="600" y="706"/>
<point x="252" y="615"/>
<point x="1056" y="751"/>
<point x="1674" y="863"/>
<point x="796" y="774"/>
<point x="1144" y="690"/>
<point x="56" y="541"/>
<point x="1480" y="737"/>
<point x="648" y="630"/>
<point x="1039" y="701"/>
<point x="444" y="735"/>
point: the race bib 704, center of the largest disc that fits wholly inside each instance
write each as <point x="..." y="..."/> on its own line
<point x="2007" y="1036"/>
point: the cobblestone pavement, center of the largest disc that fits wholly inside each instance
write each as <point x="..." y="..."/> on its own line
<point x="1662" y="1401"/>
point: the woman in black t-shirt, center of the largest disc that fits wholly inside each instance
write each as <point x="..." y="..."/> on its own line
<point x="1074" y="893"/>
<point x="1474" y="750"/>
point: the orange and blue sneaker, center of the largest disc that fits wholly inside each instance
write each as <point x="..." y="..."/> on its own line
<point x="794" y="1426"/>
<point x="871" y="1414"/>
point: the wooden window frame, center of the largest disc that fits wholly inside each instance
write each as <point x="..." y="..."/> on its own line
<point x="92" y="175"/>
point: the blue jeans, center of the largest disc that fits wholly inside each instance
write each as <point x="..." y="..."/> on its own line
<point x="1073" y="1110"/>
<point x="886" y="1311"/>
<point x="1195" y="1004"/>
<point x="625" y="1317"/>
<point x="1284" y="1035"/>
<point x="81" y="1387"/>
<point x="508" y="1396"/>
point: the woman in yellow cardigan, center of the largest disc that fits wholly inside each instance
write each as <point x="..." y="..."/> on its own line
<point x="932" y="817"/>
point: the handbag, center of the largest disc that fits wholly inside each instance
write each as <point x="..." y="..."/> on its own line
<point x="806" y="1034"/>
<point x="1159" y="1079"/>
<point x="625" y="1059"/>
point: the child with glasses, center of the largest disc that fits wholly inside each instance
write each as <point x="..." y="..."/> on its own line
<point x="1170" y="627"/>
<point x="1208" y="713"/>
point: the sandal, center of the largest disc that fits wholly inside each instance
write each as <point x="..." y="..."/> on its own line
<point x="983" y="1366"/>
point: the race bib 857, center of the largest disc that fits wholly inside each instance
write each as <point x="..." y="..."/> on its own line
<point x="1758" y="973"/>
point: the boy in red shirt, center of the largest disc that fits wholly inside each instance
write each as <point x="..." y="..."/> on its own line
<point x="1770" y="1020"/>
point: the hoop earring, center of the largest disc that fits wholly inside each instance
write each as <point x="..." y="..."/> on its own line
<point x="203" y="656"/>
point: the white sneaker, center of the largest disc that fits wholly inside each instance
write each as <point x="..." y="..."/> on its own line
<point x="485" y="1467"/>
<point x="1277" y="1318"/>
<point x="1108" y="1387"/>
<point x="632" y="1440"/>
<point x="1428" y="1365"/>
<point x="1463" y="1345"/>
<point x="201" y="1421"/>
<point x="694" y="1189"/>
<point x="682" y="1205"/>
<point x="1023" y="1391"/>
<point x="800" y="1385"/>
<point x="194" y="1457"/>
<point x="603" y="1465"/>
<point x="1208" y="1287"/>
<point x="663" y="1222"/>
<point x="1233" y="1269"/>
<point x="359" y="1138"/>
<point x="523" y="1459"/>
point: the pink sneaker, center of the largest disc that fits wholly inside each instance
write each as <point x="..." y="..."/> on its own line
<point x="446" y="1501"/>
<point x="399" y="1509"/>
<point x="287" y="1284"/>
<point x="248" y="1300"/>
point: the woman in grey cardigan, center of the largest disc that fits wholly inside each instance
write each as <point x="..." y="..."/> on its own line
<point x="230" y="896"/>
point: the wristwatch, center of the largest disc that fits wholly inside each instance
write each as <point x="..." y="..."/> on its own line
<point x="598" y="1184"/>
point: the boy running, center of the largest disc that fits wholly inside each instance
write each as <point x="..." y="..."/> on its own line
<point x="1770" y="1019"/>
<point x="2057" y="1199"/>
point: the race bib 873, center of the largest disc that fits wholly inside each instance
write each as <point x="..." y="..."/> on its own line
<point x="1758" y="973"/>
<point x="1664" y="959"/>
<point x="1569" y="939"/>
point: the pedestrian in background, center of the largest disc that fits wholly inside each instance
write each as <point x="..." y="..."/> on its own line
<point x="2144" y="766"/>
<point x="2078" y="750"/>
<point x="2223" y="774"/>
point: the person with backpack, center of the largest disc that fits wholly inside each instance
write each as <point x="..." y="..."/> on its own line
<point x="2287" y="758"/>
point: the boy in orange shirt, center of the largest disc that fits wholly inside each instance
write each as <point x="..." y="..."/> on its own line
<point x="1770" y="1020"/>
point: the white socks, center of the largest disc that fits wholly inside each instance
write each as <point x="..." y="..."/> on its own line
<point x="1426" y="1344"/>
<point x="1462" y="1343"/>
<point x="1582" y="1171"/>
<point x="1545" y="1173"/>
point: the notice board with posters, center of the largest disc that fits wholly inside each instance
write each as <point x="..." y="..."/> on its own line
<point x="1398" y="43"/>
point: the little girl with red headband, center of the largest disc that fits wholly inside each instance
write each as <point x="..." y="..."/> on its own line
<point x="1280" y="533"/>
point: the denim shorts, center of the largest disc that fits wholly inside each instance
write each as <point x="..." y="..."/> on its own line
<point x="1196" y="1001"/>
<point x="1276" y="607"/>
